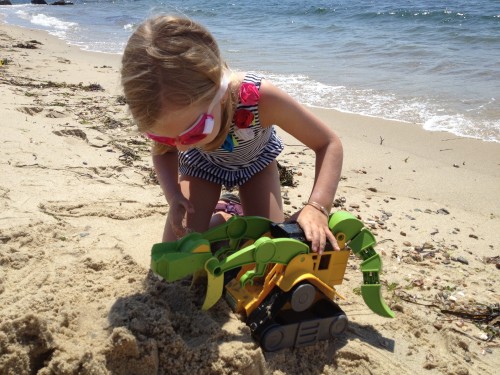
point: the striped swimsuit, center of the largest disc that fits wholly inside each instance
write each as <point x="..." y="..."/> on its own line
<point x="245" y="152"/>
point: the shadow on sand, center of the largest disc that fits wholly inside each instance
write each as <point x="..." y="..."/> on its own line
<point x="163" y="330"/>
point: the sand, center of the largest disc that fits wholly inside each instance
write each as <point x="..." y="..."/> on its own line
<point x="80" y="210"/>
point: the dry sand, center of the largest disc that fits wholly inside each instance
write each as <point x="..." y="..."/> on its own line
<point x="80" y="211"/>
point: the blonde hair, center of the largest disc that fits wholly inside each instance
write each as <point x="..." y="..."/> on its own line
<point x="172" y="62"/>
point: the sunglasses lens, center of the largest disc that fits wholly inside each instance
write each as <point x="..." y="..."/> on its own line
<point x="165" y="140"/>
<point x="201" y="128"/>
<point x="198" y="131"/>
<point x="192" y="139"/>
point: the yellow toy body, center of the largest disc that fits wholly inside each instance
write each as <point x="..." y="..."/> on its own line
<point x="322" y="271"/>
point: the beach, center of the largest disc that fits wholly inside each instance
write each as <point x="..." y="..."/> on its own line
<point x="81" y="209"/>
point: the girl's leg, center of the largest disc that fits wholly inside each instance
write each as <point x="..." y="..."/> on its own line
<point x="227" y="206"/>
<point x="219" y="218"/>
<point x="261" y="195"/>
<point x="203" y="195"/>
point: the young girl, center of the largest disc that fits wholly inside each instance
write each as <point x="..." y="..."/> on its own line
<point x="212" y="127"/>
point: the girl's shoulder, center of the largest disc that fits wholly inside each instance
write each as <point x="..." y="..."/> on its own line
<point x="240" y="78"/>
<point x="247" y="86"/>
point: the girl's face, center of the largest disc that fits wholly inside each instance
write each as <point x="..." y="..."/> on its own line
<point x="192" y="126"/>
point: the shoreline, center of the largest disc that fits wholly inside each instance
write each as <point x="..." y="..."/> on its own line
<point x="81" y="210"/>
<point x="118" y="55"/>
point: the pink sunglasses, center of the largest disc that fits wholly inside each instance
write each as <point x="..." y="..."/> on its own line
<point x="202" y="127"/>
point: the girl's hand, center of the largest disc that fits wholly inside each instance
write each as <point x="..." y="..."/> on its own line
<point x="315" y="226"/>
<point x="179" y="206"/>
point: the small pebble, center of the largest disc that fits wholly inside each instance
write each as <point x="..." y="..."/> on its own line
<point x="483" y="336"/>
<point x="461" y="260"/>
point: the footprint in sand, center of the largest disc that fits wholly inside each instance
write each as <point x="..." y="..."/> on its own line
<point x="118" y="210"/>
<point x="32" y="111"/>
<point x="72" y="132"/>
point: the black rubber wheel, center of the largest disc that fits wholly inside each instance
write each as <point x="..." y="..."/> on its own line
<point x="339" y="325"/>
<point x="303" y="297"/>
<point x="273" y="338"/>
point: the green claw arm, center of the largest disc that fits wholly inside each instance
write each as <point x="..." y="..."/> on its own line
<point x="188" y="255"/>
<point x="181" y="258"/>
<point x="361" y="244"/>
<point x="237" y="229"/>
<point x="264" y="251"/>
<point x="345" y="223"/>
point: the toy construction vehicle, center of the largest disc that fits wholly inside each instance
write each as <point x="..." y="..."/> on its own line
<point x="272" y="277"/>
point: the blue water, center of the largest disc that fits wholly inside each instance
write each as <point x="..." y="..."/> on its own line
<point x="433" y="63"/>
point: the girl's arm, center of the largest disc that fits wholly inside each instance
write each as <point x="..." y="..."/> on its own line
<point x="166" y="167"/>
<point x="278" y="108"/>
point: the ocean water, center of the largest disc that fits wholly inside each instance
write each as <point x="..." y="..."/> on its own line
<point x="434" y="64"/>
